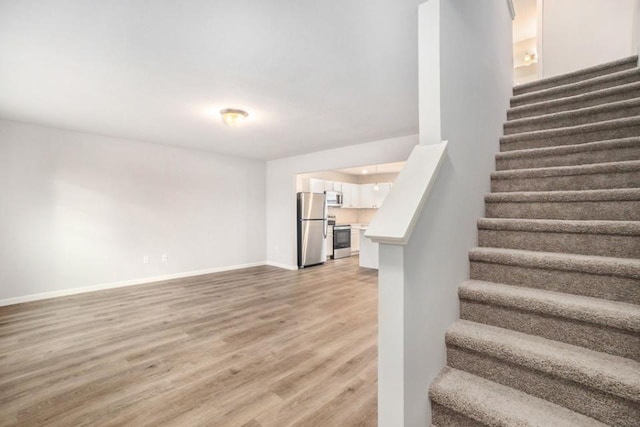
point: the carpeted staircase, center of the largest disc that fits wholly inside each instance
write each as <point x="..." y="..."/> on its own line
<point x="549" y="329"/>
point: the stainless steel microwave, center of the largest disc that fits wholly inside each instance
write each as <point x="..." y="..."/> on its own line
<point x="334" y="198"/>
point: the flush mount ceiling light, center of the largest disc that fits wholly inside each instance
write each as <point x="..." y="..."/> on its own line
<point x="364" y="171"/>
<point x="232" y="116"/>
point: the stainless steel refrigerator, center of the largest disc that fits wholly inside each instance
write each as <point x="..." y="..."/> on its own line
<point x="312" y="229"/>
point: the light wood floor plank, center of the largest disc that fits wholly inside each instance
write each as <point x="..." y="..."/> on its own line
<point x="258" y="347"/>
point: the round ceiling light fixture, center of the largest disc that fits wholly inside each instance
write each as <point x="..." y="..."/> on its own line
<point x="233" y="116"/>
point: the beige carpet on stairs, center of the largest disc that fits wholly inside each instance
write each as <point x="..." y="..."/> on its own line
<point x="549" y="333"/>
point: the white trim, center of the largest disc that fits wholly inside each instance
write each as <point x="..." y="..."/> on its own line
<point x="540" y="38"/>
<point x="282" y="265"/>
<point x="396" y="218"/>
<point x="120" y="284"/>
<point x="512" y="10"/>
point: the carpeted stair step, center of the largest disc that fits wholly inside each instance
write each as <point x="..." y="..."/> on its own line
<point x="614" y="204"/>
<point x="607" y="326"/>
<point x="600" y="238"/>
<point x="615" y="150"/>
<point x="561" y="178"/>
<point x="460" y="399"/>
<point x="576" y="102"/>
<point x="598" y="385"/>
<point x="576" y="76"/>
<point x="598" y="113"/>
<point x="600" y="131"/>
<point x="578" y="88"/>
<point x="615" y="279"/>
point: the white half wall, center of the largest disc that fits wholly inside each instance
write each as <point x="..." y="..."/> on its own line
<point x="80" y="210"/>
<point x="581" y="33"/>
<point x="472" y="109"/>
<point x="281" y="187"/>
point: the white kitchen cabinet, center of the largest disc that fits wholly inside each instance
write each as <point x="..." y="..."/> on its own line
<point x="373" y="195"/>
<point x="316" y="185"/>
<point x="381" y="193"/>
<point x="369" y="197"/>
<point x="355" y="195"/>
<point x="350" y="194"/>
<point x="366" y="196"/>
<point x="346" y="195"/>
<point x="355" y="240"/>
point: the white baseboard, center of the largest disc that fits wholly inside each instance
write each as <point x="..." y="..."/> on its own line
<point x="133" y="282"/>
<point x="280" y="265"/>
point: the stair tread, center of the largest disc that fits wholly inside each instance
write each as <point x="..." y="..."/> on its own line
<point x="576" y="307"/>
<point x="571" y="130"/>
<point x="575" y="85"/>
<point x="622" y="228"/>
<point x="614" y="194"/>
<point x="591" y="168"/>
<point x="495" y="404"/>
<point x="613" y="374"/>
<point x="563" y="115"/>
<point x="584" y="71"/>
<point x="601" y="93"/>
<point x="623" y="267"/>
<point x="569" y="149"/>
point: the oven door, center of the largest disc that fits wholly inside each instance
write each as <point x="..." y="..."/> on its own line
<point x="341" y="242"/>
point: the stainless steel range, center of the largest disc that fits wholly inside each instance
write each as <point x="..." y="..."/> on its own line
<point x="341" y="241"/>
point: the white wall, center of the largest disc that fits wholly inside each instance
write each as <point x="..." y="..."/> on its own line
<point x="636" y="28"/>
<point x="281" y="186"/>
<point x="581" y="33"/>
<point x="472" y="110"/>
<point x="78" y="210"/>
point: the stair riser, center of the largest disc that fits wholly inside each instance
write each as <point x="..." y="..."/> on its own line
<point x="620" y="246"/>
<point x="598" y="181"/>
<point x="573" y="159"/>
<point x="605" y="407"/>
<point x="595" y="337"/>
<point x="561" y="106"/>
<point x="443" y="416"/>
<point x="574" y="79"/>
<point x="614" y="288"/>
<point x="619" y="113"/>
<point x="570" y="139"/>
<point x="600" y="210"/>
<point x="534" y="98"/>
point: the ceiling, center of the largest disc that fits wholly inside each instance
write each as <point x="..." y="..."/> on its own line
<point x="374" y="169"/>
<point x="312" y="75"/>
<point x="525" y="23"/>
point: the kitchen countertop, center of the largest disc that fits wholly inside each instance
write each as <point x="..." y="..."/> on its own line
<point x="360" y="226"/>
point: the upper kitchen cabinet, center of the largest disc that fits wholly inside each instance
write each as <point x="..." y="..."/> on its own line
<point x="322" y="185"/>
<point x="366" y="196"/>
<point x="316" y="185"/>
<point x="381" y="193"/>
<point x="373" y="195"/>
<point x="350" y="195"/>
<point x="354" y="195"/>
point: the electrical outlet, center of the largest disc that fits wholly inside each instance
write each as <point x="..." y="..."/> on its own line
<point x="165" y="258"/>
<point x="145" y="259"/>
